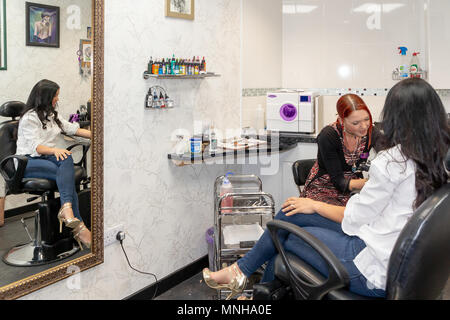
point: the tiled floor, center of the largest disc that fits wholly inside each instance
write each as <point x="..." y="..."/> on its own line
<point x="192" y="289"/>
<point x="195" y="289"/>
<point x="12" y="234"/>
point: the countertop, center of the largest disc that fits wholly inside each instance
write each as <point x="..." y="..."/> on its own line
<point x="276" y="143"/>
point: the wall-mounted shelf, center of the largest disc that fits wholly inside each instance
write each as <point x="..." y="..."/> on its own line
<point x="147" y="75"/>
<point x="422" y="74"/>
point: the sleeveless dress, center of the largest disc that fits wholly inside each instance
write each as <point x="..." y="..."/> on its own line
<point x="321" y="188"/>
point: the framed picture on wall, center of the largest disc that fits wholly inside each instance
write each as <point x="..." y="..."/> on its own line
<point x="2" y="34"/>
<point x="183" y="9"/>
<point x="42" y="25"/>
<point x="85" y="54"/>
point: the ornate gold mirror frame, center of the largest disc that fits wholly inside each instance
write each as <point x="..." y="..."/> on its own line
<point x="49" y="276"/>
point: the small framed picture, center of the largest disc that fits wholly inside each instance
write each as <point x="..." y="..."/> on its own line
<point x="86" y="53"/>
<point x="183" y="9"/>
<point x="42" y="25"/>
<point x="89" y="33"/>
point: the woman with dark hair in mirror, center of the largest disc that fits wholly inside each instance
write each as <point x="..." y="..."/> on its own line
<point x="39" y="127"/>
<point x="407" y="170"/>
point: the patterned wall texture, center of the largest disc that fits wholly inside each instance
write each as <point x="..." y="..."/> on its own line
<point x="165" y="209"/>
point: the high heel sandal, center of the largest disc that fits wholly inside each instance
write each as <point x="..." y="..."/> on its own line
<point x="236" y="285"/>
<point x="69" y="222"/>
<point x="76" y="235"/>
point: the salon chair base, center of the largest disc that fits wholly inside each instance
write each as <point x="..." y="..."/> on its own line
<point x="32" y="254"/>
<point x="48" y="245"/>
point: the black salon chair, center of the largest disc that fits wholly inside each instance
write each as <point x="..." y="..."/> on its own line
<point x="300" y="171"/>
<point x="48" y="244"/>
<point x="419" y="266"/>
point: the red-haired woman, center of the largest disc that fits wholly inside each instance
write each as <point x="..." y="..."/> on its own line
<point x="330" y="181"/>
<point x="343" y="145"/>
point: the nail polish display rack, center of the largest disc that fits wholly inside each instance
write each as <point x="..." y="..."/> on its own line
<point x="147" y="75"/>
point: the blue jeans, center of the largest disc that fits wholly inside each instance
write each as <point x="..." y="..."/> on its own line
<point x="344" y="247"/>
<point x="47" y="167"/>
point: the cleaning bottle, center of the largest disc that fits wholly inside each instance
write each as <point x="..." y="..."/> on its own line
<point x="225" y="188"/>
<point x="404" y="67"/>
<point x="414" y="68"/>
<point x="212" y="140"/>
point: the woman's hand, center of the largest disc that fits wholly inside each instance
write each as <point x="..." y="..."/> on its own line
<point x="299" y="205"/>
<point x="357" y="184"/>
<point x="61" y="154"/>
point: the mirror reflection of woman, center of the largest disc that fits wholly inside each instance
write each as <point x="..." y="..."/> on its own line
<point x="39" y="128"/>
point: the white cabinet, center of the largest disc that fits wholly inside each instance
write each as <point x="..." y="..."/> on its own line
<point x="439" y="43"/>
<point x="280" y="182"/>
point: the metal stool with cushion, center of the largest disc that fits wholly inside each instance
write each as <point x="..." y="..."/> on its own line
<point x="48" y="244"/>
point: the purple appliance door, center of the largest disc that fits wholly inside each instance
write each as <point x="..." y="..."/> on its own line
<point x="288" y="112"/>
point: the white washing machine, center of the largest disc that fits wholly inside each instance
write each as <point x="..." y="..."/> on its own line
<point x="291" y="111"/>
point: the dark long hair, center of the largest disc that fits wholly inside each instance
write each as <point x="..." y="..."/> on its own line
<point x="352" y="102"/>
<point x="414" y="118"/>
<point x="40" y="100"/>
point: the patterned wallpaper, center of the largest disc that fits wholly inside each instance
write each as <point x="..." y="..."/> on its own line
<point x="27" y="65"/>
<point x="165" y="209"/>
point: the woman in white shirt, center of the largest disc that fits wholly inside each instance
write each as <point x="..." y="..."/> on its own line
<point x="363" y="233"/>
<point x="39" y="127"/>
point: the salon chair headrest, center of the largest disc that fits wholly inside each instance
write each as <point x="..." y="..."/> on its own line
<point x="12" y="109"/>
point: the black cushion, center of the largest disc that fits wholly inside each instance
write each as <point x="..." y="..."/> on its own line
<point x="43" y="185"/>
<point x="301" y="169"/>
<point x="12" y="109"/>
<point x="8" y="138"/>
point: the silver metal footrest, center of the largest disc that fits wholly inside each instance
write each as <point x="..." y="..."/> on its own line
<point x="28" y="255"/>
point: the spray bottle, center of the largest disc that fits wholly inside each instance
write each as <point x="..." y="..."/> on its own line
<point x="415" y="66"/>
<point x="404" y="66"/>
<point x="225" y="188"/>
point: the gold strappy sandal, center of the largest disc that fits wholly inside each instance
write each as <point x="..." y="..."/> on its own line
<point x="236" y="285"/>
<point x="69" y="222"/>
<point x="76" y="235"/>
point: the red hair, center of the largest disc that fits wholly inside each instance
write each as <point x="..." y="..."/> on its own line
<point x="349" y="103"/>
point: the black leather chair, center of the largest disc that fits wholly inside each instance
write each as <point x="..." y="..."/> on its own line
<point x="300" y="171"/>
<point x="419" y="266"/>
<point x="48" y="244"/>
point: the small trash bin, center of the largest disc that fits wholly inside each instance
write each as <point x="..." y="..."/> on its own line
<point x="209" y="236"/>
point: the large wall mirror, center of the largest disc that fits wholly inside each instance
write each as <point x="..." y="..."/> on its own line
<point x="61" y="41"/>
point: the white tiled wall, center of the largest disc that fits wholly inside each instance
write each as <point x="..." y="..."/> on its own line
<point x="348" y="43"/>
<point x="328" y="104"/>
<point x="439" y="35"/>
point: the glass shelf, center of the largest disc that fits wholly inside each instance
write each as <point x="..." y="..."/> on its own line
<point x="147" y="75"/>
<point x="421" y="74"/>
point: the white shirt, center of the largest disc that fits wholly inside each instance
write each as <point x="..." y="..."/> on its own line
<point x="31" y="134"/>
<point x="380" y="211"/>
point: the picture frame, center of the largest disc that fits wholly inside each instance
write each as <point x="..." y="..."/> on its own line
<point x="86" y="54"/>
<point x="183" y="9"/>
<point x="89" y="33"/>
<point x="3" y="48"/>
<point x="42" y="25"/>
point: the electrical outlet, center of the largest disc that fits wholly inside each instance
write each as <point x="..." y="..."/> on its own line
<point x="111" y="233"/>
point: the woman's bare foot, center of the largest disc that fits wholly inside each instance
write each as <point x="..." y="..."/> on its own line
<point x="224" y="275"/>
<point x="86" y="236"/>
